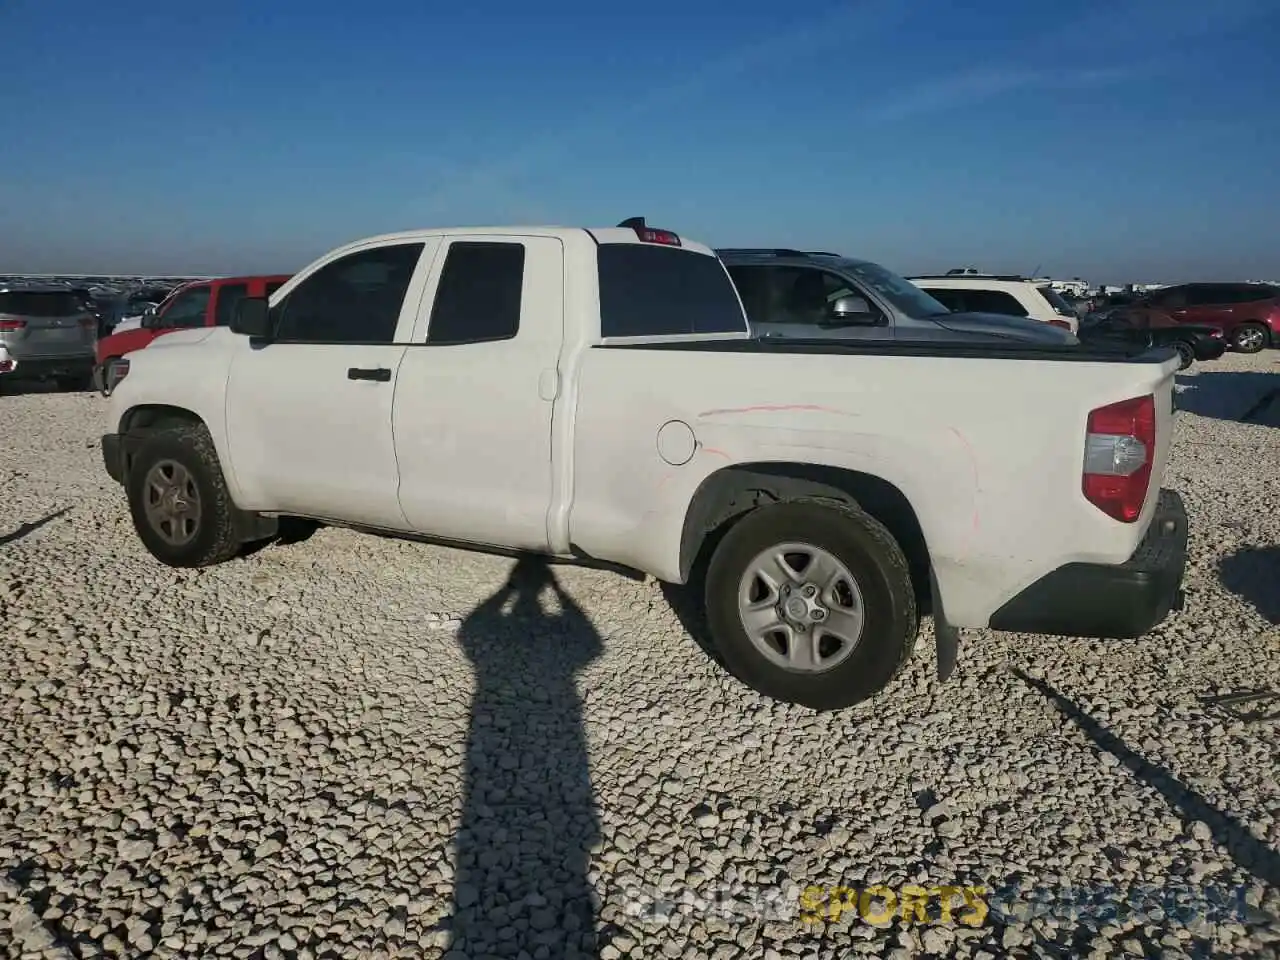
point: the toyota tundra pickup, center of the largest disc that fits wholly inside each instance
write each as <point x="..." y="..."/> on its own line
<point x="595" y="396"/>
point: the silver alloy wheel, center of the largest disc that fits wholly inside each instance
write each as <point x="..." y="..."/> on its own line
<point x="1250" y="338"/>
<point x="801" y="607"/>
<point x="171" y="502"/>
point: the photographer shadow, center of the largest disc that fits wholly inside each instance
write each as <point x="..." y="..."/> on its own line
<point x="529" y="816"/>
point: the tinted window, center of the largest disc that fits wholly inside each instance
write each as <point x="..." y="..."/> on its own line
<point x="1171" y="298"/>
<point x="31" y="303"/>
<point x="1057" y="301"/>
<point x="951" y="299"/>
<point x="478" y="299"/>
<point x="753" y="288"/>
<point x="1248" y="293"/>
<point x="1207" y="295"/>
<point x="187" y="309"/>
<point x="993" y="301"/>
<point x="804" y="295"/>
<point x="650" y="290"/>
<point x="228" y="296"/>
<point x="355" y="299"/>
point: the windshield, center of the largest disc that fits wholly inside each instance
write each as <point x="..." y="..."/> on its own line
<point x="899" y="291"/>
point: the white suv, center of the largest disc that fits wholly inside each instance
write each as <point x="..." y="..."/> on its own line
<point x="1013" y="296"/>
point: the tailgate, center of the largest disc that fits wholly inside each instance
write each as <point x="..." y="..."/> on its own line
<point x="53" y="337"/>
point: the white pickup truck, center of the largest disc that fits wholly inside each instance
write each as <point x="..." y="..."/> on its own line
<point x="594" y="396"/>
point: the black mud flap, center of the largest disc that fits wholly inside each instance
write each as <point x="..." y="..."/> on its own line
<point x="947" y="636"/>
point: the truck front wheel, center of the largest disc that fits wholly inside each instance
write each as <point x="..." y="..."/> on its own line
<point x="179" y="501"/>
<point x="811" y="602"/>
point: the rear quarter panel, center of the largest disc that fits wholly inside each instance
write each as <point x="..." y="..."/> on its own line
<point x="988" y="452"/>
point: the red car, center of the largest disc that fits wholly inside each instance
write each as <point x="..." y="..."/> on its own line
<point x="1247" y="313"/>
<point x="203" y="303"/>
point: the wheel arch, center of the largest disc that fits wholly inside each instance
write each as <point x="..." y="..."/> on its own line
<point x="139" y="420"/>
<point x="155" y="416"/>
<point x="728" y="494"/>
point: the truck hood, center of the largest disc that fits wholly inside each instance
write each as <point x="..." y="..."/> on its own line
<point x="178" y="338"/>
<point x="1006" y="327"/>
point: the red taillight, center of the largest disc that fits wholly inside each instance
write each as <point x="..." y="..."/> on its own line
<point x="1120" y="449"/>
<point x="9" y="323"/>
<point x="1061" y="323"/>
<point x="88" y="322"/>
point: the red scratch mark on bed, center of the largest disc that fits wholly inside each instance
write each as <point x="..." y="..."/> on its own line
<point x="716" y="452"/>
<point x="772" y="408"/>
<point x="973" y="468"/>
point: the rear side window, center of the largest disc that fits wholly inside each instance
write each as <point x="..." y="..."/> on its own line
<point x="1248" y="293"/>
<point x="953" y="300"/>
<point x="33" y="303"/>
<point x="228" y="296"/>
<point x="272" y="287"/>
<point x="1207" y="295"/>
<point x="478" y="298"/>
<point x="993" y="301"/>
<point x="1056" y="301"/>
<point x="654" y="291"/>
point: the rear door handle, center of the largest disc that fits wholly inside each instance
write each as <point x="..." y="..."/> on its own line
<point x="381" y="374"/>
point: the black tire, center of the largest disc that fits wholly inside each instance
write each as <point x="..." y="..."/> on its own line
<point x="1250" y="331"/>
<point x="1186" y="354"/>
<point x="215" y="539"/>
<point x="877" y="563"/>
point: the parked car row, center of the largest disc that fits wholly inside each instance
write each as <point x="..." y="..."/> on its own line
<point x="601" y="396"/>
<point x="202" y="303"/>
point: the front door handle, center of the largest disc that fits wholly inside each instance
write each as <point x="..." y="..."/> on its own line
<point x="381" y="374"/>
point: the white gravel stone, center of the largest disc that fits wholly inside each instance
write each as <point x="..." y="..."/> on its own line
<point x="336" y="748"/>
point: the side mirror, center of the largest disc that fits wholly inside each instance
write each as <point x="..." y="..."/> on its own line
<point x="150" y="319"/>
<point x="853" y="310"/>
<point x="252" y="318"/>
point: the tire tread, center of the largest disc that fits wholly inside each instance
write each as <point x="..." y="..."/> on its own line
<point x="219" y="512"/>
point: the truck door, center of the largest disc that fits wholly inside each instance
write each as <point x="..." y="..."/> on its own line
<point x="309" y="414"/>
<point x="476" y="393"/>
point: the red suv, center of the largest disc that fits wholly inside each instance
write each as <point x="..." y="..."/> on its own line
<point x="203" y="303"/>
<point x="1247" y="313"/>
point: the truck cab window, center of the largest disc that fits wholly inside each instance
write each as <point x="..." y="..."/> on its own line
<point x="354" y="299"/>
<point x="188" y="309"/>
<point x="479" y="295"/>
<point x="652" y="291"/>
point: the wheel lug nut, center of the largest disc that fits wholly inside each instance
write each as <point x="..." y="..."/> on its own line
<point x="819" y="615"/>
<point x="810" y="590"/>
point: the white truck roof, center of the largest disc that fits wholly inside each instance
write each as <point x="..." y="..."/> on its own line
<point x="614" y="234"/>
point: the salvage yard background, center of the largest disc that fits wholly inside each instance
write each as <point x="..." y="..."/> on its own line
<point x="336" y="747"/>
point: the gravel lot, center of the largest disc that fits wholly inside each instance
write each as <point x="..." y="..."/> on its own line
<point x="357" y="747"/>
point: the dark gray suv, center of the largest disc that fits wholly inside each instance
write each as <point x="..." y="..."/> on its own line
<point x="796" y="294"/>
<point x="46" y="333"/>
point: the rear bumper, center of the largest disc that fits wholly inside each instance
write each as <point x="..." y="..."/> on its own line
<point x="1116" y="602"/>
<point x="40" y="368"/>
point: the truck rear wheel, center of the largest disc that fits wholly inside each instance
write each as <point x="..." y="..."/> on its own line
<point x="179" y="501"/>
<point x="811" y="602"/>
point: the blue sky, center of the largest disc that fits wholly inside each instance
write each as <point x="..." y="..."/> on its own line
<point x="1126" y="140"/>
